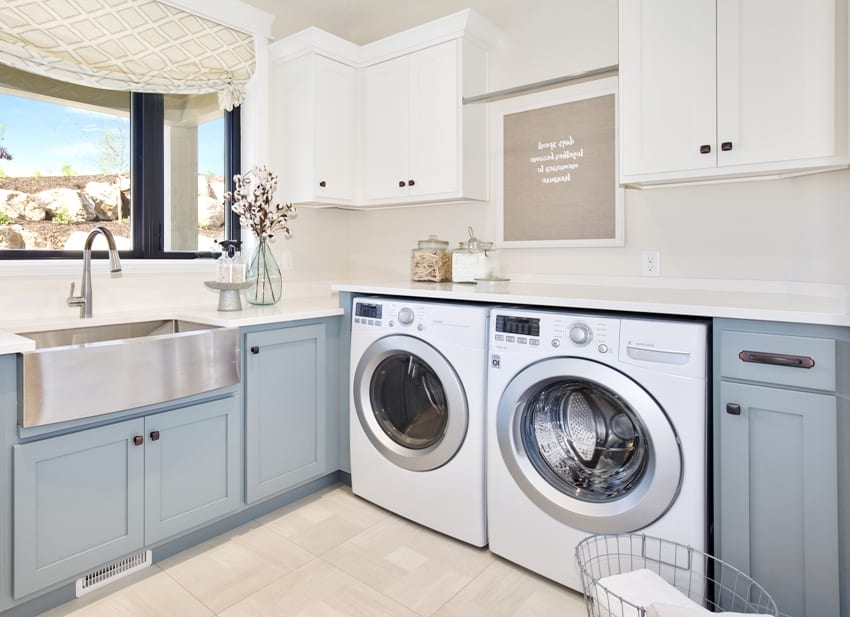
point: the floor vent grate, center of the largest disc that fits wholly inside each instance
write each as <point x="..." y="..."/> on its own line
<point x="112" y="572"/>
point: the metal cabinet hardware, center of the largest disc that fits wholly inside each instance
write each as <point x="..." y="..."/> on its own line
<point x="154" y="435"/>
<point x="323" y="184"/>
<point x="777" y="359"/>
<point x="733" y="409"/>
<point x="410" y="183"/>
<point x="402" y="183"/>
<point x="726" y="146"/>
<point x="255" y="350"/>
<point x="138" y="440"/>
<point x="705" y="149"/>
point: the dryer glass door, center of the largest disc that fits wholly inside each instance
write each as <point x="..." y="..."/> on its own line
<point x="588" y="445"/>
<point x="410" y="402"/>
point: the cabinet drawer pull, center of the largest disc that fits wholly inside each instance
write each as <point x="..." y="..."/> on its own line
<point x="777" y="359"/>
<point x="138" y="440"/>
<point x="154" y="435"/>
<point x="705" y="149"/>
<point x="410" y="183"/>
<point x="726" y="146"/>
<point x="255" y="350"/>
<point x="401" y="183"/>
<point x="323" y="184"/>
<point x="733" y="409"/>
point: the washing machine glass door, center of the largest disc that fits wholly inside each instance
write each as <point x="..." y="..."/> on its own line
<point x="589" y="445"/>
<point x="410" y="402"/>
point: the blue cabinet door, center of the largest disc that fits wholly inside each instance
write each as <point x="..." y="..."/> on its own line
<point x="779" y="493"/>
<point x="191" y="467"/>
<point x="285" y="408"/>
<point x="77" y="503"/>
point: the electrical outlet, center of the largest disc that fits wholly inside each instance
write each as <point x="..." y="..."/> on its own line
<point x="286" y="261"/>
<point x="650" y="263"/>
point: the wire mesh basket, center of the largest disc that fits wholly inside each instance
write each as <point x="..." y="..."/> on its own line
<point x="706" y="581"/>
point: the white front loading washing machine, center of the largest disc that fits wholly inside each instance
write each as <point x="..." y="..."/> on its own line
<point x="418" y="404"/>
<point x="596" y="424"/>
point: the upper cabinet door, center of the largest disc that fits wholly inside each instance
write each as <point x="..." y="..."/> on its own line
<point x="335" y="123"/>
<point x="667" y="86"/>
<point x="386" y="130"/>
<point x="434" y="120"/>
<point x="776" y="80"/>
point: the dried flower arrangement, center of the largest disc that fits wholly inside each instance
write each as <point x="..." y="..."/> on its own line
<point x="253" y="200"/>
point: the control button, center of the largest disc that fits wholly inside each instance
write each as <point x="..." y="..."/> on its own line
<point x="391" y="323"/>
<point x="510" y="339"/>
<point x="377" y="322"/>
<point x="500" y="337"/>
<point x="580" y="334"/>
<point x="356" y="320"/>
<point x="370" y="322"/>
<point x="521" y="340"/>
<point x="603" y="348"/>
<point x="420" y="327"/>
<point x="534" y="342"/>
<point x="556" y="342"/>
<point x="405" y="316"/>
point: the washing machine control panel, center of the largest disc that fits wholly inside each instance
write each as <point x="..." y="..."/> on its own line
<point x="587" y="335"/>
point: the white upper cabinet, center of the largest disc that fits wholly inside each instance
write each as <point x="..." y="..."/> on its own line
<point x="413" y="139"/>
<point x="383" y="123"/>
<point x="731" y="88"/>
<point x="313" y="129"/>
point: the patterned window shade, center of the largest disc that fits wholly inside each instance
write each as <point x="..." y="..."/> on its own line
<point x="135" y="45"/>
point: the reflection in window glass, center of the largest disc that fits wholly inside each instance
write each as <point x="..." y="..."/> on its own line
<point x="194" y="173"/>
<point x="64" y="163"/>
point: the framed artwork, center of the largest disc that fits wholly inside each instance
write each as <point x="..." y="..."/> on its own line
<point x="557" y="184"/>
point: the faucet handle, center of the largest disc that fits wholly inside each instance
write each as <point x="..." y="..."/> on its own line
<point x="75" y="300"/>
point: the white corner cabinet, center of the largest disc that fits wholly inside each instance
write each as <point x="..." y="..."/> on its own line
<point x="782" y="417"/>
<point x="384" y="123"/>
<point x="718" y="89"/>
<point x="313" y="129"/>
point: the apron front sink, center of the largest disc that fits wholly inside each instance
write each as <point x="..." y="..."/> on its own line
<point x="82" y="372"/>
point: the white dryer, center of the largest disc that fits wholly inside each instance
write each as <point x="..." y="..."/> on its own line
<point x="418" y="405"/>
<point x="596" y="424"/>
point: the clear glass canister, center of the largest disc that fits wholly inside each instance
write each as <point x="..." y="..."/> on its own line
<point x="474" y="260"/>
<point x="431" y="260"/>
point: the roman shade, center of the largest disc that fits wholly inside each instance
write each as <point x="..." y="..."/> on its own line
<point x="132" y="45"/>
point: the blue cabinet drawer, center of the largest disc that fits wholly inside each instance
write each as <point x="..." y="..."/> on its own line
<point x="791" y="361"/>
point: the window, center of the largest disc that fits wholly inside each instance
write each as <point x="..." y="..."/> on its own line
<point x="153" y="168"/>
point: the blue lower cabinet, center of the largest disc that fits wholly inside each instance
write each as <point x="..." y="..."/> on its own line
<point x="87" y="498"/>
<point x="78" y="503"/>
<point x="285" y="409"/>
<point x="192" y="467"/>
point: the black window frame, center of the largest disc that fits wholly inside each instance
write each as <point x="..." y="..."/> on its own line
<point x="147" y="170"/>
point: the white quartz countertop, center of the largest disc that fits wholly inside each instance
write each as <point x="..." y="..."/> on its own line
<point x="797" y="303"/>
<point x="288" y="309"/>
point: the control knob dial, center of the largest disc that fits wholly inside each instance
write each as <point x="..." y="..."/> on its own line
<point x="405" y="316"/>
<point x="580" y="334"/>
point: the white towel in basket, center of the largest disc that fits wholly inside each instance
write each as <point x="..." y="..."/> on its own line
<point x="673" y="610"/>
<point x="642" y="588"/>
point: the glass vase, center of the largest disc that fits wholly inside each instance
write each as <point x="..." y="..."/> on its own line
<point x="264" y="275"/>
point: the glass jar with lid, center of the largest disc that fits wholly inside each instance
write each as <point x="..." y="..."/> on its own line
<point x="473" y="260"/>
<point x="431" y="260"/>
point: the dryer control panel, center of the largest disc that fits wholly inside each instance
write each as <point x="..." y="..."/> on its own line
<point x="586" y="335"/>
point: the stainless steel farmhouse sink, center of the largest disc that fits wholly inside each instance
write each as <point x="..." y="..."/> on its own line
<point x="88" y="371"/>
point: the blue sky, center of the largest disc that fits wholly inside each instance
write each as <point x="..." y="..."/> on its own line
<point x="45" y="137"/>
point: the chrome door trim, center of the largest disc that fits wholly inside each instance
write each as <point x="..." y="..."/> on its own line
<point x="651" y="497"/>
<point x="437" y="454"/>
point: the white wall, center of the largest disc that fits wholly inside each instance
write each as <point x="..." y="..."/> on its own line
<point x="777" y="230"/>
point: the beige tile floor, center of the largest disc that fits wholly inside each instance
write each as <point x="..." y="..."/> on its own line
<point x="330" y="555"/>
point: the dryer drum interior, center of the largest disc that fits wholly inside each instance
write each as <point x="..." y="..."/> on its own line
<point x="409" y="401"/>
<point x="584" y="440"/>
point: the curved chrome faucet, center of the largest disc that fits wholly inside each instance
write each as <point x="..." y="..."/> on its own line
<point x="84" y="301"/>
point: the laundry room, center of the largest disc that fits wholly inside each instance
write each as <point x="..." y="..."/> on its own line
<point x="466" y="307"/>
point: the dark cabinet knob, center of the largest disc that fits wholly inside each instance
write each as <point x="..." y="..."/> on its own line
<point x="401" y="183"/>
<point x="410" y="183"/>
<point x="733" y="409"/>
<point x="705" y="149"/>
<point x="255" y="350"/>
<point x="154" y="435"/>
<point x="726" y="146"/>
<point x="138" y="440"/>
<point x="323" y="184"/>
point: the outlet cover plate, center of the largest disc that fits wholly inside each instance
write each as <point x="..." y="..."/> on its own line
<point x="650" y="263"/>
